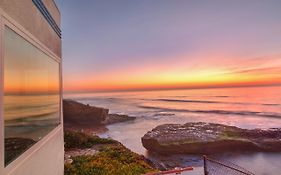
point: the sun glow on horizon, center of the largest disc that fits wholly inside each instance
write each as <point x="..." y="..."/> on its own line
<point x="254" y="72"/>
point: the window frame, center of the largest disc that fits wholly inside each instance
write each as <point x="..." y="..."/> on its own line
<point x="6" y="21"/>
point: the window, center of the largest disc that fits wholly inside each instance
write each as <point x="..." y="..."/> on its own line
<point x="31" y="94"/>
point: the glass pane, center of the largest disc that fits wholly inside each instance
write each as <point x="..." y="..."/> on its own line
<point x="31" y="94"/>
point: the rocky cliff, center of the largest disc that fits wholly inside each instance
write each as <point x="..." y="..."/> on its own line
<point x="79" y="113"/>
<point x="76" y="113"/>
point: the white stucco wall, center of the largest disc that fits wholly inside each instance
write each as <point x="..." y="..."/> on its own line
<point x="48" y="159"/>
<point x="27" y="14"/>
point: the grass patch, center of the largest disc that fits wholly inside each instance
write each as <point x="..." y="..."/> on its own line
<point x="81" y="140"/>
<point x="112" y="159"/>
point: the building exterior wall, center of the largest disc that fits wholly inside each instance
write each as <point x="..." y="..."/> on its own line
<point x="46" y="157"/>
<point x="28" y="15"/>
<point x="53" y="9"/>
<point x="46" y="160"/>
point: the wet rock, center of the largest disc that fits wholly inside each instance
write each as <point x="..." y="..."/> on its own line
<point x="78" y="152"/>
<point x="116" y="118"/>
<point x="207" y="138"/>
<point x="78" y="113"/>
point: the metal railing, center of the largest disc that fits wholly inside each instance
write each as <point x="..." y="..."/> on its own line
<point x="215" y="167"/>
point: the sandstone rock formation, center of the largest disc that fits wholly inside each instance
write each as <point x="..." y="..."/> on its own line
<point x="76" y="113"/>
<point x="79" y="113"/>
<point x="206" y="138"/>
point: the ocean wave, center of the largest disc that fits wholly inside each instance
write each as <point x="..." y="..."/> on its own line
<point x="185" y="101"/>
<point x="163" y="114"/>
<point x="221" y="112"/>
<point x="271" y="104"/>
<point x="184" y="96"/>
<point x="209" y="101"/>
<point x="221" y="96"/>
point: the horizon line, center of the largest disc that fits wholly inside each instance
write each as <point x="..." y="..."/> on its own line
<point x="169" y="88"/>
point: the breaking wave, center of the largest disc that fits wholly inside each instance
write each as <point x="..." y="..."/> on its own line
<point x="225" y="112"/>
<point x="209" y="101"/>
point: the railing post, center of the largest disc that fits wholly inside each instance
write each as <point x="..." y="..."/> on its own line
<point x="205" y="164"/>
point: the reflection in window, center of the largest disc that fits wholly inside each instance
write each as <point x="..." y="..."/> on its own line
<point x="31" y="94"/>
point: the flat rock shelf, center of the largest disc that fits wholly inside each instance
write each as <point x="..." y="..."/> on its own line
<point x="208" y="138"/>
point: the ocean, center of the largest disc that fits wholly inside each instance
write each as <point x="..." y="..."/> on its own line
<point x="244" y="107"/>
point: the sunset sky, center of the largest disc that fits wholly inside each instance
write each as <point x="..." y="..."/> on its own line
<point x="164" y="44"/>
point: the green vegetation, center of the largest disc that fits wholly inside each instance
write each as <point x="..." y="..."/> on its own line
<point x="230" y="134"/>
<point x="81" y="140"/>
<point x="112" y="159"/>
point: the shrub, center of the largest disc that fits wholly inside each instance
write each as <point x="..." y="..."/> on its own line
<point x="81" y="140"/>
<point x="114" y="159"/>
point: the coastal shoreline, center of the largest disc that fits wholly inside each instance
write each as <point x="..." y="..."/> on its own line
<point x="169" y="161"/>
<point x="82" y="143"/>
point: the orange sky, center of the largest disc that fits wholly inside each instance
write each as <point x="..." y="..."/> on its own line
<point x="165" y="44"/>
<point x="213" y="72"/>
